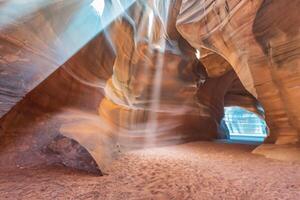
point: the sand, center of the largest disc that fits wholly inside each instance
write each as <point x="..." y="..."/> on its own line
<point x="199" y="170"/>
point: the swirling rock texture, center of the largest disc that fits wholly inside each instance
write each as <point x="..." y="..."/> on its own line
<point x="261" y="46"/>
<point x="67" y="97"/>
<point x="32" y="47"/>
<point x="72" y="89"/>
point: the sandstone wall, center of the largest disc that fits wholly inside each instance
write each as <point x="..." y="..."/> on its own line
<point x="139" y="83"/>
<point x="260" y="40"/>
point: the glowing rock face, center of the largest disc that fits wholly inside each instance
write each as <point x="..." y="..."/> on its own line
<point x="158" y="93"/>
<point x="152" y="87"/>
<point x="39" y="36"/>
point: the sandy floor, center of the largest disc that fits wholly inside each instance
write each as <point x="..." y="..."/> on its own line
<point x="199" y="170"/>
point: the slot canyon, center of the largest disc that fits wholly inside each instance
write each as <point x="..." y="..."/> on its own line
<point x="150" y="99"/>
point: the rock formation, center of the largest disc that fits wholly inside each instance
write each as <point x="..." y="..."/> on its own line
<point x="153" y="73"/>
<point x="260" y="45"/>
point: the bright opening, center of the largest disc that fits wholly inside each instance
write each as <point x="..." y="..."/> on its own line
<point x="98" y="5"/>
<point x="198" y="55"/>
<point x="243" y="125"/>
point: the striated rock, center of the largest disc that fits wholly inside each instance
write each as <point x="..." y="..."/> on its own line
<point x="161" y="73"/>
<point x="214" y="64"/>
<point x="47" y="111"/>
<point x="260" y="44"/>
<point x="150" y="96"/>
<point x="32" y="46"/>
<point x="37" y="38"/>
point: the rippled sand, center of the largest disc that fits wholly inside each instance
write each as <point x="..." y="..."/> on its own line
<point x="200" y="170"/>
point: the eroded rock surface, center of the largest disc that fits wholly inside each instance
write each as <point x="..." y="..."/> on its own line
<point x="159" y="74"/>
<point x="71" y="154"/>
<point x="261" y="46"/>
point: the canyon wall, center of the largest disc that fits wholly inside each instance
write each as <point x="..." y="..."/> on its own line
<point x="37" y="37"/>
<point x="161" y="73"/>
<point x="260" y="40"/>
<point x="68" y="97"/>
